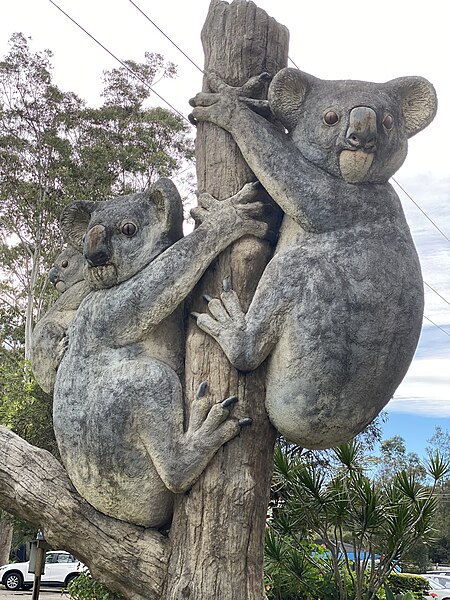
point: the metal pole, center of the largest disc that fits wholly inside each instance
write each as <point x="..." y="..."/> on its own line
<point x="40" y="558"/>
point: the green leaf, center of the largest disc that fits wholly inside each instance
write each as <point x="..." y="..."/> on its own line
<point x="389" y="594"/>
<point x="438" y="467"/>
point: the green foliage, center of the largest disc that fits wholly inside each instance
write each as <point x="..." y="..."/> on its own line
<point x="365" y="527"/>
<point x="296" y="569"/>
<point x="406" y="596"/>
<point x="25" y="408"/>
<point x="394" y="457"/>
<point x="54" y="150"/>
<point x="439" y="548"/>
<point x="401" y="583"/>
<point x="84" y="587"/>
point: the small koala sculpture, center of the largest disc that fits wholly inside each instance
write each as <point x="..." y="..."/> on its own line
<point x="118" y="407"/>
<point x="339" y="308"/>
<point x="67" y="270"/>
<point x="49" y="335"/>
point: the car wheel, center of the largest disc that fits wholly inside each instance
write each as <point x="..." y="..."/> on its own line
<point x="70" y="578"/>
<point x="13" y="581"/>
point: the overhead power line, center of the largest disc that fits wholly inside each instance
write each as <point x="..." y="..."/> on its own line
<point x="165" y="35"/>
<point x="436" y="325"/>
<point x="421" y="209"/>
<point x="437" y="293"/>
<point x="181" y="115"/>
<point x="136" y="75"/>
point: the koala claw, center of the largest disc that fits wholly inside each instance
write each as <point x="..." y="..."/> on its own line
<point x="192" y="120"/>
<point x="228" y="402"/>
<point x="226" y="284"/>
<point x="201" y="391"/>
<point x="245" y="422"/>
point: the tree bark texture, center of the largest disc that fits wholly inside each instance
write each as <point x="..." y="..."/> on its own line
<point x="6" y="534"/>
<point x="218" y="529"/>
<point x="215" y="546"/>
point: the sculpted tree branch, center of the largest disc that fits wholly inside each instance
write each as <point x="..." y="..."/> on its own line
<point x="35" y="486"/>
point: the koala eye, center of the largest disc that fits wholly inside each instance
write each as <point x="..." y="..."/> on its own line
<point x="388" y="122"/>
<point x="330" y="118"/>
<point x="129" y="229"/>
<point x="65" y="264"/>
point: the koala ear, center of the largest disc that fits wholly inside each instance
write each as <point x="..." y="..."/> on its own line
<point x="418" y="102"/>
<point x="168" y="201"/>
<point x="286" y="94"/>
<point x="74" y="222"/>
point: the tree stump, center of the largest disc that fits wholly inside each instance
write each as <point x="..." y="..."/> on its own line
<point x="217" y="534"/>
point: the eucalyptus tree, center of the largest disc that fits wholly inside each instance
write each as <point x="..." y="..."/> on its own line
<point x="55" y="149"/>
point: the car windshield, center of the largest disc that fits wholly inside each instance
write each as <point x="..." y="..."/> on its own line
<point x="436" y="586"/>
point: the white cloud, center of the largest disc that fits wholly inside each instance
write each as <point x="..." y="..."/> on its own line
<point x="425" y="389"/>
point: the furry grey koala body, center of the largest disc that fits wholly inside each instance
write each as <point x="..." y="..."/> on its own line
<point x="118" y="406"/>
<point x="339" y="308"/>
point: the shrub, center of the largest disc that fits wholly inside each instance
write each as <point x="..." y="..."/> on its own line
<point x="400" y="583"/>
<point x="84" y="587"/>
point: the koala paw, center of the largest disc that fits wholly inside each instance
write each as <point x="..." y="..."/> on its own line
<point x="214" y="422"/>
<point x="226" y="318"/>
<point x="220" y="105"/>
<point x="242" y="211"/>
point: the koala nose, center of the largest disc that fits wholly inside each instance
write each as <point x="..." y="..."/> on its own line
<point x="53" y="275"/>
<point x="96" y="248"/>
<point x="362" y="130"/>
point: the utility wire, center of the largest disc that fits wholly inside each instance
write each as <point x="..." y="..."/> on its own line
<point x="165" y="35"/>
<point x="437" y="293"/>
<point x="430" y="220"/>
<point x="185" y="118"/>
<point x="421" y="209"/>
<point x="436" y="325"/>
<point x="120" y="61"/>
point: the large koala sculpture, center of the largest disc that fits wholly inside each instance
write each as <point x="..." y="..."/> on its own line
<point x="338" y="310"/>
<point x="118" y="407"/>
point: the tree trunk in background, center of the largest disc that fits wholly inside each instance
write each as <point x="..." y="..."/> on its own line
<point x="218" y="527"/>
<point x="6" y="534"/>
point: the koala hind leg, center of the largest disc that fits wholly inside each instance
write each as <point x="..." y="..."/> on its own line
<point x="179" y="456"/>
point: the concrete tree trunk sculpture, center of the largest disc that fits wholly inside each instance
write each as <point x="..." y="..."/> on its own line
<point x="218" y="529"/>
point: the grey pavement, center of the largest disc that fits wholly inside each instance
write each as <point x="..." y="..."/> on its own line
<point x="46" y="593"/>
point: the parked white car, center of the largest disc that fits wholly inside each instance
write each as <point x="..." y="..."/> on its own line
<point x="437" y="592"/>
<point x="60" y="568"/>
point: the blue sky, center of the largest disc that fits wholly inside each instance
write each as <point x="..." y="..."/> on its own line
<point x="416" y="430"/>
<point x="334" y="41"/>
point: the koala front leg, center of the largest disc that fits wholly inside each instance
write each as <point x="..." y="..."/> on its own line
<point x="160" y="287"/>
<point x="269" y="152"/>
<point x="246" y="338"/>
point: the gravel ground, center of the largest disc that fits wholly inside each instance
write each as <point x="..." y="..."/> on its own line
<point x="45" y="594"/>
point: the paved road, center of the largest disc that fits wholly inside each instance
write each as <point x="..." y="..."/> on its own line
<point x="45" y="594"/>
